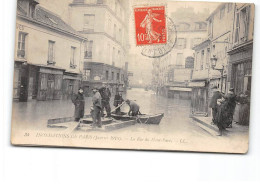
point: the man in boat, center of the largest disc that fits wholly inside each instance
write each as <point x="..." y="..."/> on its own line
<point x="118" y="100"/>
<point x="79" y="102"/>
<point x="96" y="109"/>
<point x="134" y="108"/>
<point x="105" y="99"/>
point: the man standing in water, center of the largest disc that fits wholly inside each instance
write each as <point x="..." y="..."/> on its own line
<point x="96" y="109"/>
<point x="79" y="102"/>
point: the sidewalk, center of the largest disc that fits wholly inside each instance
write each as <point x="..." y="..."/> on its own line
<point x="205" y="123"/>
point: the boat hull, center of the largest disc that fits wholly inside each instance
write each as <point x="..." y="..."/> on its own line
<point x="144" y="119"/>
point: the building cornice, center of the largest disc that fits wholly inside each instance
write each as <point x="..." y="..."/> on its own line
<point x="241" y="47"/>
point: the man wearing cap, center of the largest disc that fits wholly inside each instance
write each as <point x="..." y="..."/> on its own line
<point x="213" y="102"/>
<point x="134" y="108"/>
<point x="96" y="109"/>
<point x="79" y="102"/>
<point x="105" y="99"/>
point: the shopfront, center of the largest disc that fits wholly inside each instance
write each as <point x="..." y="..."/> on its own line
<point x="50" y="84"/>
<point x="241" y="74"/>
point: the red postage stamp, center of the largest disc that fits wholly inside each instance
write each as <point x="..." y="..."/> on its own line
<point x="150" y="25"/>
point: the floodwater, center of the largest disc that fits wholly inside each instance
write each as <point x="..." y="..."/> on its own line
<point x="176" y="113"/>
<point x="35" y="114"/>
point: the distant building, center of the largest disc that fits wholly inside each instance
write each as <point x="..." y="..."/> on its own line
<point x="104" y="23"/>
<point x="48" y="55"/>
<point x="141" y="66"/>
<point x="242" y="48"/>
<point x="180" y="61"/>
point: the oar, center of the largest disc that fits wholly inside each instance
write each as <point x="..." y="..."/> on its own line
<point x="119" y="106"/>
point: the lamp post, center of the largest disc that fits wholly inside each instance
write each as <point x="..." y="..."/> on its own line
<point x="213" y="65"/>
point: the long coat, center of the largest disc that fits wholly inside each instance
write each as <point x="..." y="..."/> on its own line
<point x="79" y="102"/>
<point x="213" y="102"/>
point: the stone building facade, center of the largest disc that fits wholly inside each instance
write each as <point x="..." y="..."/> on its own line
<point x="103" y="22"/>
<point x="242" y="48"/>
<point x="48" y="59"/>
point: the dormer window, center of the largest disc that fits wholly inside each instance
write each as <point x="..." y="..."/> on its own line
<point x="32" y="6"/>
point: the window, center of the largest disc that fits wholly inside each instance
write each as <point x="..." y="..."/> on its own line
<point x="179" y="59"/>
<point x="51" y="52"/>
<point x="117" y="77"/>
<point x="210" y="27"/>
<point x="244" y="20"/>
<point x="112" y="76"/>
<point x="32" y="6"/>
<point x="222" y="12"/>
<point x="72" y="56"/>
<point x="237" y="28"/>
<point x="181" y="43"/>
<point x="88" y="49"/>
<point x="119" y="56"/>
<point x="21" y="45"/>
<point x="107" y="75"/>
<point x="114" y="34"/>
<point x="87" y="74"/>
<point x="202" y="60"/>
<point x="120" y="36"/>
<point x="122" y="77"/>
<point x="113" y="56"/>
<point x="89" y="21"/>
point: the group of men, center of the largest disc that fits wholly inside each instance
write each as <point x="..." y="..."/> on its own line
<point x="101" y="101"/>
<point x="223" y="107"/>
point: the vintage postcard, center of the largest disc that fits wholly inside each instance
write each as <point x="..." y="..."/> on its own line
<point x="138" y="74"/>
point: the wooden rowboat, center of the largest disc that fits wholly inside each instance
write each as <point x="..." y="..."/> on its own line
<point x="144" y="118"/>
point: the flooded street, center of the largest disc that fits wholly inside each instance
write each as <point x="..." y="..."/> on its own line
<point x="35" y="114"/>
<point x="176" y="114"/>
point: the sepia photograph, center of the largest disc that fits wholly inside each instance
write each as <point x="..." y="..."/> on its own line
<point x="133" y="75"/>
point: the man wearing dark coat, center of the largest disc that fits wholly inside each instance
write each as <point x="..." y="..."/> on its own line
<point x="79" y="102"/>
<point x="105" y="100"/>
<point x="118" y="100"/>
<point x="96" y="109"/>
<point x="213" y="102"/>
<point x="231" y="104"/>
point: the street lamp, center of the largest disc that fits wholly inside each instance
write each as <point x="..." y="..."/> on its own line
<point x="213" y="65"/>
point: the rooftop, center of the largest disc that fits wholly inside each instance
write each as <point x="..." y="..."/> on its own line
<point x="50" y="19"/>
